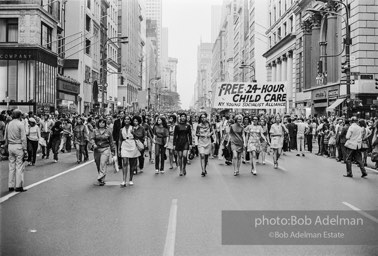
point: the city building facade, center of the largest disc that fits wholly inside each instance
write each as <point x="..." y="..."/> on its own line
<point x="130" y="18"/>
<point x="29" y="54"/>
<point x="280" y="59"/>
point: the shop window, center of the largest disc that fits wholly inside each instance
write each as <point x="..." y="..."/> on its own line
<point x="8" y="30"/>
<point x="46" y="38"/>
<point x="3" y="78"/>
<point x="88" y="46"/>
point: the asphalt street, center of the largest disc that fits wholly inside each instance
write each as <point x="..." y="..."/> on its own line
<point x="166" y="214"/>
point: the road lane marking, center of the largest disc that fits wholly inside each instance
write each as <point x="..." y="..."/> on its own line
<point x="279" y="167"/>
<point x="5" y="198"/>
<point x="371" y="169"/>
<point x="367" y="215"/>
<point x="169" y="247"/>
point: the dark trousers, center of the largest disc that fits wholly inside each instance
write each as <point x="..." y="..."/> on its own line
<point x="68" y="144"/>
<point x="119" y="158"/>
<point x="46" y="149"/>
<point x="356" y="155"/>
<point x="86" y="154"/>
<point x="344" y="152"/>
<point x="32" y="150"/>
<point x="54" y="145"/>
<point x="133" y="162"/>
<point x="340" y="155"/>
<point x="227" y="152"/>
<point x="141" y="160"/>
<point x="293" y="142"/>
<point x="309" y="142"/>
<point x="320" y="144"/>
<point x="159" y="157"/>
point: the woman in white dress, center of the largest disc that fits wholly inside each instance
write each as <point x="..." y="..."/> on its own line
<point x="204" y="133"/>
<point x="128" y="151"/>
<point x="277" y="132"/>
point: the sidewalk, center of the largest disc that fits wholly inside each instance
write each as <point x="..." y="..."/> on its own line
<point x="44" y="168"/>
<point x="315" y="148"/>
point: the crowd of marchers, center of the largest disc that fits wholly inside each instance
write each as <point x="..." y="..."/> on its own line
<point x="126" y="139"/>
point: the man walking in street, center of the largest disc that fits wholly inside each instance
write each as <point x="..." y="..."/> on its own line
<point x="15" y="138"/>
<point x="46" y="125"/>
<point x="116" y="134"/>
<point x="339" y="128"/>
<point x="302" y="130"/>
<point x="353" y="148"/>
<point x="292" y="128"/>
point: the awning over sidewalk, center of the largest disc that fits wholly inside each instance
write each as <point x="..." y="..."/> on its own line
<point x="335" y="105"/>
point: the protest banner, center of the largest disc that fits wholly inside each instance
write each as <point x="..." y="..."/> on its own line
<point x="268" y="95"/>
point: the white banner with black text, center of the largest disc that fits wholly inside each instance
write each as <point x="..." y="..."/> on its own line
<point x="268" y="95"/>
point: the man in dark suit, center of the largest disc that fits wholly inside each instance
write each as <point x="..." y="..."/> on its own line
<point x="292" y="133"/>
<point x="117" y="131"/>
<point x="339" y="128"/>
<point x="343" y="139"/>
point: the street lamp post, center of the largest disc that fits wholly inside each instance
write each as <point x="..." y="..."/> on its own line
<point x="104" y="85"/>
<point x="243" y="66"/>
<point x="347" y="42"/>
<point x="149" y="91"/>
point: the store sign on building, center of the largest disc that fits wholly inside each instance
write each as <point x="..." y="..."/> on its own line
<point x="68" y="87"/>
<point x="333" y="94"/>
<point x="320" y="95"/>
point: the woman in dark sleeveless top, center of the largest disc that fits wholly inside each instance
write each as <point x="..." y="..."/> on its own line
<point x="237" y="140"/>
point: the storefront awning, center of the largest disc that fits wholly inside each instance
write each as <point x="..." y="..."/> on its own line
<point x="335" y="105"/>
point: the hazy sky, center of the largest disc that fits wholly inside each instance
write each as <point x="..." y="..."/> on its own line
<point x="187" y="21"/>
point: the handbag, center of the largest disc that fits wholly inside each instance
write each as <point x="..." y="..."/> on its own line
<point x="374" y="155"/>
<point x="139" y="145"/>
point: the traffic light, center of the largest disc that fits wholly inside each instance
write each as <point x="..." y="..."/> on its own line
<point x="320" y="67"/>
<point x="376" y="83"/>
<point x="344" y="67"/>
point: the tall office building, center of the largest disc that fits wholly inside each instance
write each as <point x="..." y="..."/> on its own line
<point x="216" y="11"/>
<point x="154" y="12"/>
<point x="130" y="18"/>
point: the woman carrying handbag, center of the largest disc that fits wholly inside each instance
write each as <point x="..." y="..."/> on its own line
<point x="103" y="149"/>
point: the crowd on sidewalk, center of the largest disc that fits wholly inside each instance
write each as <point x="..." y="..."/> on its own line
<point x="126" y="139"/>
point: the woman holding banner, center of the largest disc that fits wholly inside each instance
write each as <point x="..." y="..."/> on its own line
<point x="237" y="139"/>
<point x="277" y="132"/>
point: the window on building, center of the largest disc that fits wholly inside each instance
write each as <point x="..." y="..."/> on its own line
<point x="279" y="9"/>
<point x="274" y="38"/>
<point x="88" y="23"/>
<point x="284" y="32"/>
<point x="87" y="74"/>
<point x="291" y="25"/>
<point x="274" y="14"/>
<point x="270" y="19"/>
<point x="58" y="12"/>
<point x="46" y="36"/>
<point x="89" y="4"/>
<point x="88" y="46"/>
<point x="270" y="41"/>
<point x="279" y="34"/>
<point x="8" y="30"/>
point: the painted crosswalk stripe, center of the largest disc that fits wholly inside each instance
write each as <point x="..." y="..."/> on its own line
<point x="363" y="213"/>
<point x="169" y="247"/>
<point x="5" y="198"/>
